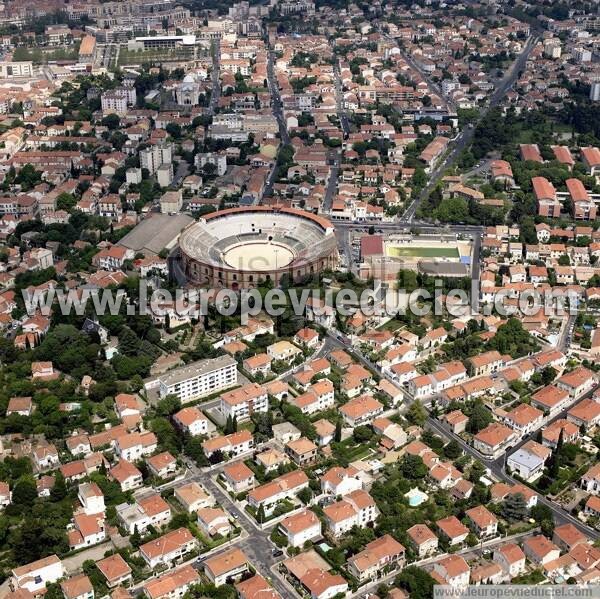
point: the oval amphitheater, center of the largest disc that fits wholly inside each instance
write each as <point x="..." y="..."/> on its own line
<point x="240" y="247"/>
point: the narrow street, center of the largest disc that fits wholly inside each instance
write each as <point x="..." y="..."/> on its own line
<point x="276" y="99"/>
<point x="339" y="98"/>
<point x="332" y="183"/>
<point x="256" y="545"/>
<point x="215" y="77"/>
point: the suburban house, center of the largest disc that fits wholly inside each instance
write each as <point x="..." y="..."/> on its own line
<point x="300" y="528"/>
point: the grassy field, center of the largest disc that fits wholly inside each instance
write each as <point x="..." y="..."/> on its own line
<point x="422" y="252"/>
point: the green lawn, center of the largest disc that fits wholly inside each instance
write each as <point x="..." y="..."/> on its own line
<point x="422" y="252"/>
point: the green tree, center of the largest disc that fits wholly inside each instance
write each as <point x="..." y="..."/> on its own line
<point x="168" y="405"/>
<point x="413" y="467"/>
<point x="59" y="490"/>
<point x="53" y="591"/>
<point x="453" y="210"/>
<point x="136" y="538"/>
<point x="337" y="437"/>
<point x="174" y="130"/>
<point x="417" y="582"/>
<point x="452" y="451"/>
<point x="407" y="280"/>
<point x="305" y="495"/>
<point x="417" y="413"/>
<point x="65" y="201"/>
<point x="168" y="439"/>
<point x="515" y="507"/>
<point x="229" y="428"/>
<point x="362" y="434"/>
<point x="480" y="418"/>
<point x="111" y="121"/>
<point x="24" y="492"/>
<point x="129" y="342"/>
<point x="549" y="375"/>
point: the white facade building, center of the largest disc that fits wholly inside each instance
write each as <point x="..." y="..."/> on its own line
<point x="198" y="378"/>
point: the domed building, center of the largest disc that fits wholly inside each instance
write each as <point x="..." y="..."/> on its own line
<point x="187" y="93"/>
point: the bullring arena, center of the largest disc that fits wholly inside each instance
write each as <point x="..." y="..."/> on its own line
<point x="239" y="247"/>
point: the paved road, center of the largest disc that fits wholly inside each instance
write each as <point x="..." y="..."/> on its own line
<point x="256" y="545"/>
<point x="183" y="170"/>
<point x="215" y="77"/>
<point x="332" y="182"/>
<point x="466" y="136"/>
<point x="339" y="99"/>
<point x="566" y="332"/>
<point x="276" y="99"/>
<point x="476" y="265"/>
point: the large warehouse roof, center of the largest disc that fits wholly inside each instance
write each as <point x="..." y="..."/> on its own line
<point x="156" y="232"/>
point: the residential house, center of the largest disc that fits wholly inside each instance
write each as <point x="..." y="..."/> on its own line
<point x="381" y="556"/>
<point x="423" y="540"/>
<point x="115" y="570"/>
<point x="482" y="521"/>
<point x="355" y="509"/>
<point x="230" y="564"/>
<point x="300" y="527"/>
<point x="168" y="548"/>
<point x="238" y="477"/>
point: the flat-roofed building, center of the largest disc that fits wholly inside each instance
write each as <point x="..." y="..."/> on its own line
<point x="198" y="379"/>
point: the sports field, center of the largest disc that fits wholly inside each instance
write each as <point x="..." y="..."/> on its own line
<point x="395" y="251"/>
<point x="258" y="256"/>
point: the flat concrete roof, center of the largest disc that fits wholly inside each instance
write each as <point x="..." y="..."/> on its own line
<point x="444" y="269"/>
<point x="193" y="369"/>
<point x="156" y="232"/>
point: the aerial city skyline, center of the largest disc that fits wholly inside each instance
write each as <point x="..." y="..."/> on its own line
<point x="299" y="299"/>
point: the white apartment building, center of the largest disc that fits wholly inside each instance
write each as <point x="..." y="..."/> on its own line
<point x="219" y="160"/>
<point x="117" y="100"/>
<point x="9" y="70"/>
<point x="242" y="403"/>
<point x="154" y="156"/>
<point x="198" y="378"/>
